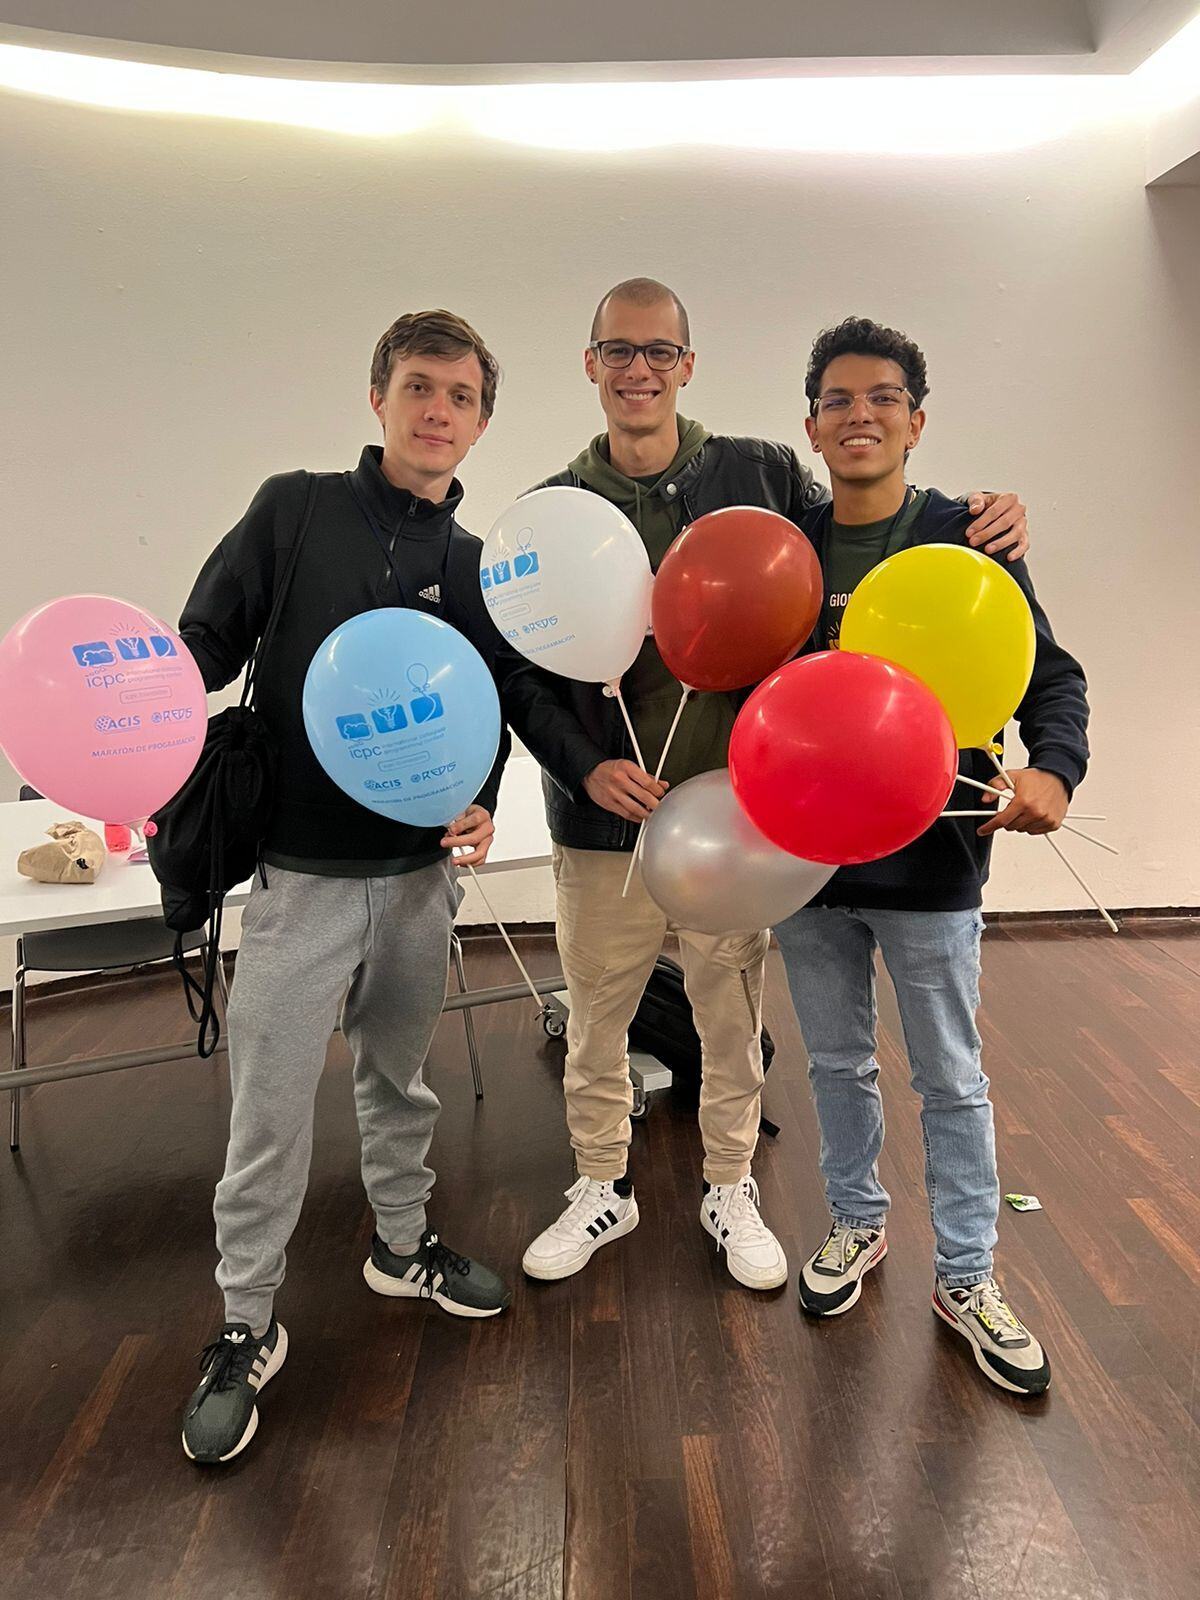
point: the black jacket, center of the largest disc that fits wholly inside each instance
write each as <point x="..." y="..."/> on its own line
<point x="341" y="571"/>
<point x="946" y="868"/>
<point x="726" y="472"/>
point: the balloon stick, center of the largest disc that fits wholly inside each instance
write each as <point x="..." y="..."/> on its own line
<point x="1057" y="850"/>
<point x="512" y="949"/>
<point x="658" y="771"/>
<point x="1073" y="816"/>
<point x="615" y="688"/>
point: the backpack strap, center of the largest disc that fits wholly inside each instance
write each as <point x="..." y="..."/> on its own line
<point x="200" y="993"/>
<point x="281" y="592"/>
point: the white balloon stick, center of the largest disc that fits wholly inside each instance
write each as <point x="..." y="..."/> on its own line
<point x="512" y="949"/>
<point x="1086" y="887"/>
<point x="1072" y="816"/>
<point x="658" y="772"/>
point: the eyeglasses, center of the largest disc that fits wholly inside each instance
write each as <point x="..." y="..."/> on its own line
<point x="886" y="397"/>
<point x="660" y="356"/>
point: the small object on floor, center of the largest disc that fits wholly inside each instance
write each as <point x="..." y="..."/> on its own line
<point x="831" y="1278"/>
<point x="1004" y="1349"/>
<point x="222" y="1414"/>
<point x="463" y="1287"/>
<point x="1023" y="1202"/>
<point x="754" y="1256"/>
<point x="596" y="1215"/>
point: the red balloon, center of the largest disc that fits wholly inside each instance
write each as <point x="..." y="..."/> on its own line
<point x="735" y="596"/>
<point x="842" y="758"/>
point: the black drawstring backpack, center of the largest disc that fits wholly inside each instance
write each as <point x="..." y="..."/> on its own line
<point x="210" y="834"/>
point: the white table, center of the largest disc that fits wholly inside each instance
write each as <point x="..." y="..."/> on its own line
<point x="125" y="890"/>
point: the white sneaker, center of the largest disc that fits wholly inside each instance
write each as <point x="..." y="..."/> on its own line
<point x="729" y="1211"/>
<point x="596" y="1215"/>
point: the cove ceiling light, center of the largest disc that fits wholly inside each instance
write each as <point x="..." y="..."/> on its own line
<point x="888" y="116"/>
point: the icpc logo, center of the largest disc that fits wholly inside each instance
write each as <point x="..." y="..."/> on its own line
<point x="522" y="565"/>
<point x="424" y="706"/>
<point x="129" y="647"/>
<point x="98" y="655"/>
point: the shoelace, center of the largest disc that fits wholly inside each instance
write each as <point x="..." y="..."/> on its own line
<point x="228" y="1361"/>
<point x="837" y="1247"/>
<point x="736" y="1212"/>
<point x="577" y="1194"/>
<point x="986" y="1302"/>
<point x="440" y="1259"/>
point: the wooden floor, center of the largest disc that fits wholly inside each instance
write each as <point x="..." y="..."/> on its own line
<point x="647" y="1429"/>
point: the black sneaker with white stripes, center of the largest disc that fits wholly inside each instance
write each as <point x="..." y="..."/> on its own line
<point x="222" y="1414"/>
<point x="456" y="1283"/>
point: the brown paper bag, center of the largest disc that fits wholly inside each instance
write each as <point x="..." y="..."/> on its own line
<point x="75" y="856"/>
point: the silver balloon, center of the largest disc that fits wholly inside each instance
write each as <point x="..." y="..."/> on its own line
<point x="707" y="866"/>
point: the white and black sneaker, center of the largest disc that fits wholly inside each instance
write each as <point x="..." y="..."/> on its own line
<point x="459" y="1285"/>
<point x="754" y="1256"/>
<point x="831" y="1278"/>
<point x="1005" y="1351"/>
<point x="222" y="1414"/>
<point x="596" y="1215"/>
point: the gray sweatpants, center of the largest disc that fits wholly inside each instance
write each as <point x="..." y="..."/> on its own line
<point x="383" y="943"/>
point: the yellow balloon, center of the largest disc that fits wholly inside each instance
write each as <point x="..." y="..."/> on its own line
<point x="957" y="621"/>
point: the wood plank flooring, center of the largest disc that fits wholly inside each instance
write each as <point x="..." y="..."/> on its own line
<point x="647" y="1430"/>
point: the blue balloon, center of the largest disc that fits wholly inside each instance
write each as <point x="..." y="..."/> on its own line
<point x="403" y="715"/>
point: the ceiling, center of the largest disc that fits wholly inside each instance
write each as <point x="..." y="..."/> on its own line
<point x="489" y="39"/>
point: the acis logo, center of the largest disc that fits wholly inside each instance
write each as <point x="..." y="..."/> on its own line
<point x="117" y="724"/>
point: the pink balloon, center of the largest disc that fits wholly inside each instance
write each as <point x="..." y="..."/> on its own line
<point x="102" y="707"/>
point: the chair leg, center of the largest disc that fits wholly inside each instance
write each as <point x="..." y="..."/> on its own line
<point x="468" y="1019"/>
<point x="18" y="1046"/>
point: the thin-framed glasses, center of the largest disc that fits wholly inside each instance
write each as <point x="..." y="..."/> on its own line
<point x="660" y="356"/>
<point x="884" y="397"/>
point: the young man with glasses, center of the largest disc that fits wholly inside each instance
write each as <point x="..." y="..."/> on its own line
<point x="354" y="911"/>
<point x="663" y="471"/>
<point x="866" y="387"/>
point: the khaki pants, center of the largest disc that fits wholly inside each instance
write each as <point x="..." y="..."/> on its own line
<point x="608" y="947"/>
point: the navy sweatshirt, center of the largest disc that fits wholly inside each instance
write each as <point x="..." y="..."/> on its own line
<point x="946" y="868"/>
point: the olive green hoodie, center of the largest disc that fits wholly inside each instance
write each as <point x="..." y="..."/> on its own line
<point x="701" y="741"/>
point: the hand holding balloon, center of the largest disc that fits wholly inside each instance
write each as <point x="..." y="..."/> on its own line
<point x="471" y="834"/>
<point x="1038" y="804"/>
<point x="625" y="789"/>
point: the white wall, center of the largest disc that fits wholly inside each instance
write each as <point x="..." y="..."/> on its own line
<point x="191" y="306"/>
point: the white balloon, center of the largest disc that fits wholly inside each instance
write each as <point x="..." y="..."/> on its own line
<point x="707" y="866"/>
<point x="567" y="581"/>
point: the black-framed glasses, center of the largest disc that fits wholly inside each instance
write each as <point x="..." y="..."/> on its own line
<point x="660" y="356"/>
<point x="884" y="397"/>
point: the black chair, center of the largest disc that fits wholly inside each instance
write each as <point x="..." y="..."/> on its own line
<point x="92" y="947"/>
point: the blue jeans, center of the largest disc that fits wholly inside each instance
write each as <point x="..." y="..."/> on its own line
<point x="932" y="958"/>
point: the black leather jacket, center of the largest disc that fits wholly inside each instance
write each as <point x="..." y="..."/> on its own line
<point x="726" y="472"/>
